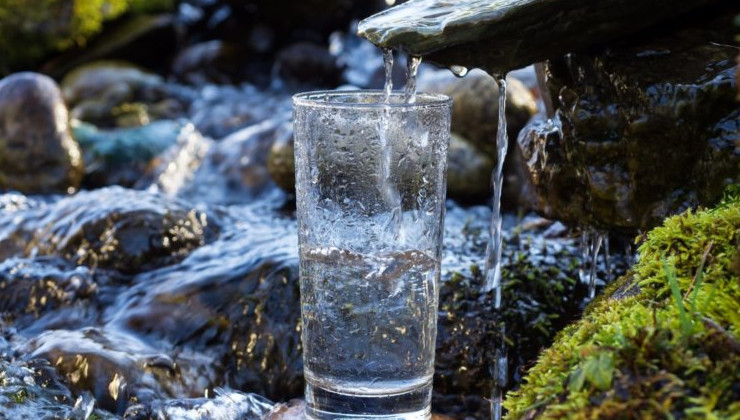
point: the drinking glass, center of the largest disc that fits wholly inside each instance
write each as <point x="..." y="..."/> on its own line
<point x="370" y="189"/>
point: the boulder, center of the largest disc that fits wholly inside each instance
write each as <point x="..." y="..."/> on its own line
<point x="37" y="152"/>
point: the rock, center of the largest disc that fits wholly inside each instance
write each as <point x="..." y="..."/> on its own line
<point x="468" y="171"/>
<point x="125" y="230"/>
<point x="122" y="156"/>
<point x="488" y="35"/>
<point x="307" y="64"/>
<point x="281" y="163"/>
<point x="115" y="93"/>
<point x="115" y="368"/>
<point x="33" y="388"/>
<point x="669" y="347"/>
<point x="211" y="62"/>
<point x="649" y="127"/>
<point x="35" y="287"/>
<point x="37" y="153"/>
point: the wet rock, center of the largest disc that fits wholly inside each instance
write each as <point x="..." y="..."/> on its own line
<point x="37" y="153"/>
<point x="33" y="389"/>
<point x="242" y="297"/>
<point x="235" y="169"/>
<point x="211" y="62"/>
<point x="307" y="64"/>
<point x="37" y="286"/>
<point x="118" y="93"/>
<point x="125" y="230"/>
<point x="294" y="410"/>
<point x="468" y="171"/>
<point x="649" y="127"/>
<point x="281" y="163"/>
<point x="122" y="156"/>
<point x="487" y="35"/>
<point x="115" y="368"/>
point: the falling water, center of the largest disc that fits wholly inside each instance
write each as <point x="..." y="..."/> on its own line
<point x="590" y="245"/>
<point x="493" y="251"/>
<point x="387" y="188"/>
<point x="412" y="69"/>
<point x="388" y="67"/>
<point x="500" y="376"/>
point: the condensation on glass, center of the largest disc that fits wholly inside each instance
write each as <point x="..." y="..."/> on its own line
<point x="370" y="185"/>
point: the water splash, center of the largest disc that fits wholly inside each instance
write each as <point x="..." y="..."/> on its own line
<point x="493" y="251"/>
<point x="412" y="70"/>
<point x="388" y="67"/>
<point x="500" y="375"/>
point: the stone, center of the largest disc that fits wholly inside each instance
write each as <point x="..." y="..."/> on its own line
<point x="122" y="156"/>
<point x="281" y="163"/>
<point x="114" y="93"/>
<point x="468" y="171"/>
<point x="294" y="410"/>
<point x="644" y="128"/>
<point x="37" y="152"/>
<point x="120" y="229"/>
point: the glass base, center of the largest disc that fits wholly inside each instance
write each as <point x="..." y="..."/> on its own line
<point x="326" y="404"/>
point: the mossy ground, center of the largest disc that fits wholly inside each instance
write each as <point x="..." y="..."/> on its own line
<point x="30" y="29"/>
<point x="662" y="343"/>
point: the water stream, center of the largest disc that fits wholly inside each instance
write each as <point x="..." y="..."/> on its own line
<point x="493" y="252"/>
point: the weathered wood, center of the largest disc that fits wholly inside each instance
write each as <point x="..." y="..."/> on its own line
<point x="500" y="35"/>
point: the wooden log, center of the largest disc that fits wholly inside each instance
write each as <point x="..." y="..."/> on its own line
<point x="500" y="35"/>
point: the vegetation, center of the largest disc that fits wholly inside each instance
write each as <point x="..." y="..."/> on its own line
<point x="662" y="342"/>
<point x="30" y="29"/>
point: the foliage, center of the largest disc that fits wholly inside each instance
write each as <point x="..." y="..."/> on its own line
<point x="664" y="340"/>
<point x="30" y="29"/>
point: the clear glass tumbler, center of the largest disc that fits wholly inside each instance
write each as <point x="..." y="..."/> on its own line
<point x="370" y="181"/>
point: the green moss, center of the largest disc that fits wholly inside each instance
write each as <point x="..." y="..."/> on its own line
<point x="663" y="342"/>
<point x="30" y="29"/>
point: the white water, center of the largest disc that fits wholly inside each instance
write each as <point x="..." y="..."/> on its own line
<point x="590" y="245"/>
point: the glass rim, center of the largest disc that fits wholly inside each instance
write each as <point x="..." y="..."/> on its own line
<point x="328" y="99"/>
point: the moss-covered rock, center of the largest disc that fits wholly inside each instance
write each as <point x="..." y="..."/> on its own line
<point x="30" y="29"/>
<point x="663" y="342"/>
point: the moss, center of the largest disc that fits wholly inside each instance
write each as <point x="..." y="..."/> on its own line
<point x="30" y="29"/>
<point x="663" y="342"/>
